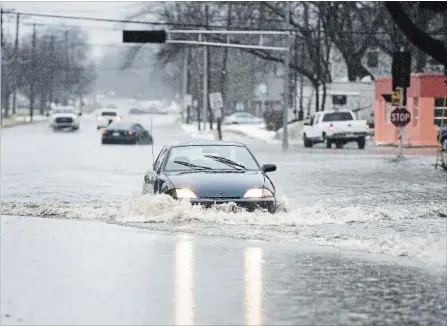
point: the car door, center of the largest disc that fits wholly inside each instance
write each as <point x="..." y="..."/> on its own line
<point x="142" y="133"/>
<point x="159" y="163"/>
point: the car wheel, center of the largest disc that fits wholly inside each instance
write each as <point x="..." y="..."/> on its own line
<point x="328" y="144"/>
<point x="104" y="142"/>
<point x="361" y="142"/>
<point x="98" y="127"/>
<point x="307" y="142"/>
<point x="339" y="144"/>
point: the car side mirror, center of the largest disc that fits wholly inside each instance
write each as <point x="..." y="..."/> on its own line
<point x="269" y="168"/>
<point x="80" y="113"/>
<point x="149" y="177"/>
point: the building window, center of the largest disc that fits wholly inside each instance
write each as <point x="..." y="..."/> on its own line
<point x="388" y="112"/>
<point x="416" y="112"/>
<point x="440" y="111"/>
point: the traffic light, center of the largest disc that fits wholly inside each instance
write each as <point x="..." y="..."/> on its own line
<point x="144" y="36"/>
<point x="373" y="59"/>
<point x="401" y="69"/>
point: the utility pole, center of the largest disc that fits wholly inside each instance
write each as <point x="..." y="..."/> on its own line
<point x="301" y="112"/>
<point x="210" y="114"/>
<point x="1" y="67"/>
<point x="285" y="136"/>
<point x="50" y="92"/>
<point x="205" y="81"/>
<point x="16" y="66"/>
<point x="205" y="87"/>
<point x="33" y="78"/>
<point x="185" y="84"/>
<point x="224" y="75"/>
<point x="67" y="70"/>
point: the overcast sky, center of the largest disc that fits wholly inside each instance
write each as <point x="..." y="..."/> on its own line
<point x="100" y="33"/>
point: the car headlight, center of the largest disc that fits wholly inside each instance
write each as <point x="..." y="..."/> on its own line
<point x="258" y="193"/>
<point x="184" y="193"/>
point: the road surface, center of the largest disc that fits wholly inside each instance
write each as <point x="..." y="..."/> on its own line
<point x="361" y="238"/>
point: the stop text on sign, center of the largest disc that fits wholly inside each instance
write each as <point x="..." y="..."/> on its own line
<point x="400" y="117"/>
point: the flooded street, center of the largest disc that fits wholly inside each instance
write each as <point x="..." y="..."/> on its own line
<point x="360" y="238"/>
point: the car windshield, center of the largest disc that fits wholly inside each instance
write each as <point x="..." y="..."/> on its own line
<point x="221" y="157"/>
<point x="119" y="125"/>
<point x="337" y="116"/>
<point x="108" y="113"/>
<point x="58" y="111"/>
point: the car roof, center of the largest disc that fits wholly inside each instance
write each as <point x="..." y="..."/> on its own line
<point x="121" y="124"/>
<point x="108" y="109"/>
<point x="206" y="143"/>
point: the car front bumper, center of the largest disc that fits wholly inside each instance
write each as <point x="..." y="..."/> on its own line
<point x="248" y="204"/>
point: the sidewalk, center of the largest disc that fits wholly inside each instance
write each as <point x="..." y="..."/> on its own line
<point x="13" y="121"/>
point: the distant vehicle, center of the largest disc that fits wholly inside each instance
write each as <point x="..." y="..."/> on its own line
<point x="64" y="117"/>
<point x="126" y="133"/>
<point x="337" y="127"/>
<point x="137" y="111"/>
<point x="442" y="138"/>
<point x="212" y="172"/>
<point x="106" y="116"/>
<point x="152" y="110"/>
<point x="242" y="118"/>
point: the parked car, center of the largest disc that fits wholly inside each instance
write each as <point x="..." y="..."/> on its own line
<point x="242" y="118"/>
<point x="335" y="126"/>
<point x="64" y="117"/>
<point x="442" y="137"/>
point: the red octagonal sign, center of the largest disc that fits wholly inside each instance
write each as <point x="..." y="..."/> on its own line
<point x="400" y="117"/>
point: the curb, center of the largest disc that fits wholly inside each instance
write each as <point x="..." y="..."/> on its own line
<point x="22" y="124"/>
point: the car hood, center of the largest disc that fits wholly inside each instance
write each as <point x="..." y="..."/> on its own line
<point x="209" y="184"/>
<point x="64" y="115"/>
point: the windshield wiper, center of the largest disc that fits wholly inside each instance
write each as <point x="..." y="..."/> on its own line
<point x="226" y="161"/>
<point x="193" y="166"/>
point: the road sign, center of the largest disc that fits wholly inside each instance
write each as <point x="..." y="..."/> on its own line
<point x="188" y="100"/>
<point x="400" y="117"/>
<point x="216" y="101"/>
<point x="395" y="98"/>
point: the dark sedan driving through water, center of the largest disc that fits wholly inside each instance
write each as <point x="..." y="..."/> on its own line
<point x="126" y="133"/>
<point x="212" y="172"/>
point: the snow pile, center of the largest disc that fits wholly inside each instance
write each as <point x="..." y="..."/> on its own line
<point x="295" y="131"/>
<point x="257" y="131"/>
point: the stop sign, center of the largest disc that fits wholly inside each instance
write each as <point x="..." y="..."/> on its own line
<point x="400" y="117"/>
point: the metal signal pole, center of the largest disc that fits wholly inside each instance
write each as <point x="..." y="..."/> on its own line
<point x="16" y="74"/>
<point x="185" y="84"/>
<point x="205" y="87"/>
<point x="285" y="136"/>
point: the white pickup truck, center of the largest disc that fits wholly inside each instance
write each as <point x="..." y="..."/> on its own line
<point x="65" y="117"/>
<point x="337" y="127"/>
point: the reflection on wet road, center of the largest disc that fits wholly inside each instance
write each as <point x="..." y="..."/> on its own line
<point x="75" y="272"/>
<point x="184" y="282"/>
<point x="360" y="239"/>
